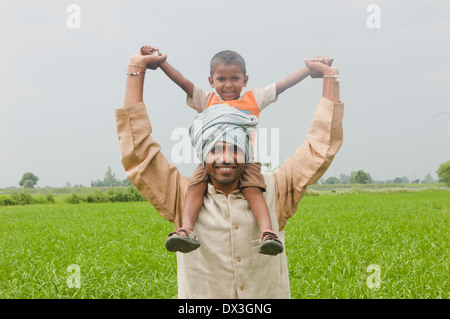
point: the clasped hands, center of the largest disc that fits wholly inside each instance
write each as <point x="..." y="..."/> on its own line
<point x="148" y="59"/>
<point x="320" y="66"/>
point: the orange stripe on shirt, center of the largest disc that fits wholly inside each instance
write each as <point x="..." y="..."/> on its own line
<point x="247" y="104"/>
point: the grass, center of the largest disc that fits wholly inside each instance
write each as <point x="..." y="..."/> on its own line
<point x="333" y="239"/>
<point x="330" y="242"/>
<point x="118" y="247"/>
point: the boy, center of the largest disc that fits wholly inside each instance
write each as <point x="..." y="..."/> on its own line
<point x="228" y="77"/>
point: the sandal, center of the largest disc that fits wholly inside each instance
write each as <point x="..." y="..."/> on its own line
<point x="183" y="240"/>
<point x="270" y="244"/>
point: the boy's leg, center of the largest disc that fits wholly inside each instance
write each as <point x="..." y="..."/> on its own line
<point x="258" y="206"/>
<point x="184" y="240"/>
<point x="252" y="186"/>
<point x="192" y="204"/>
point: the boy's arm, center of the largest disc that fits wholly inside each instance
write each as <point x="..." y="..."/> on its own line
<point x="201" y="96"/>
<point x="298" y="76"/>
<point x="178" y="78"/>
<point x="291" y="80"/>
<point x="170" y="71"/>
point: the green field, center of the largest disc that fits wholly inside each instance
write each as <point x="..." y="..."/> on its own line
<point x="330" y="242"/>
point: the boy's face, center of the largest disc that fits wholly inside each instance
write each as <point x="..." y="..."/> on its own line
<point x="228" y="80"/>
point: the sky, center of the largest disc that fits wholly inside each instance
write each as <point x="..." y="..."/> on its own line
<point x="63" y="75"/>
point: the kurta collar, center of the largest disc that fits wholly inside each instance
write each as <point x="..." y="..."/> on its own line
<point x="213" y="191"/>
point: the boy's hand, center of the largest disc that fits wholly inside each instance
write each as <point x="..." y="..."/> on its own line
<point x="320" y="66"/>
<point x="323" y="59"/>
<point x="149" y="61"/>
<point x="149" y="50"/>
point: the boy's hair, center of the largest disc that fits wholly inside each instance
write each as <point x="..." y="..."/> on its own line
<point x="227" y="57"/>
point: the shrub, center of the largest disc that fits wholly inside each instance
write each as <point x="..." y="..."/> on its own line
<point x="22" y="198"/>
<point x="7" y="200"/>
<point x="50" y="198"/>
<point x="73" y="199"/>
<point x="97" y="197"/>
<point x="116" y="195"/>
<point x="444" y="172"/>
<point x="130" y="194"/>
<point x="133" y="195"/>
<point x="39" y="199"/>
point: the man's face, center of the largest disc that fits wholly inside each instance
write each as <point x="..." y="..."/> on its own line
<point x="228" y="80"/>
<point x="225" y="164"/>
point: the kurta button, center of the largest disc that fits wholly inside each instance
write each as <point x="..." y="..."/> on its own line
<point x="224" y="201"/>
<point x="242" y="287"/>
<point x="238" y="259"/>
<point x="236" y="227"/>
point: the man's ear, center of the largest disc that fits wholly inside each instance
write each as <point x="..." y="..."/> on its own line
<point x="245" y="80"/>
<point x="211" y="82"/>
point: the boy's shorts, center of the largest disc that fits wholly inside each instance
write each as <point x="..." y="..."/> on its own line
<point x="251" y="176"/>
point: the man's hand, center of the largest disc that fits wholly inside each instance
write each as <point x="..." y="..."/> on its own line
<point x="320" y="66"/>
<point x="150" y="61"/>
<point x="135" y="81"/>
<point x="149" y="50"/>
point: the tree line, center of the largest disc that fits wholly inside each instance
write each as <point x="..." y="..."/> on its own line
<point x="29" y="180"/>
<point x="110" y="180"/>
<point x="362" y="177"/>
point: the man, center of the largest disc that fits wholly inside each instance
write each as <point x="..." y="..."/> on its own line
<point x="228" y="264"/>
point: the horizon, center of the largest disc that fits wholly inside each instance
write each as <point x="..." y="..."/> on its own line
<point x="321" y="181"/>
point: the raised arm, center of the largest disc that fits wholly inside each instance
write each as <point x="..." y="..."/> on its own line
<point x="314" y="156"/>
<point x="135" y="83"/>
<point x="146" y="166"/>
<point x="320" y="68"/>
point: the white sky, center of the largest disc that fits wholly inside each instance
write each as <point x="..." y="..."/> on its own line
<point x="59" y="86"/>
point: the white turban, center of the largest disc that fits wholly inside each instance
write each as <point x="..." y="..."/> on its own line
<point x="222" y="123"/>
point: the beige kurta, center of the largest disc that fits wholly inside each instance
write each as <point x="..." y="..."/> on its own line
<point x="227" y="264"/>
